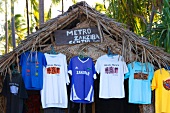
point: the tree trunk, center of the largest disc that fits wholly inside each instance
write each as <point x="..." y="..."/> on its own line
<point x="28" y="27"/>
<point x="62" y="6"/>
<point x="13" y="24"/>
<point x="41" y="12"/>
<point x="6" y="28"/>
<point x="151" y="18"/>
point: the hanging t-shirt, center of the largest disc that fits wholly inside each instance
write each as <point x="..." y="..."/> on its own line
<point x="32" y="69"/>
<point x="54" y="92"/>
<point x="140" y="76"/>
<point x="82" y="73"/>
<point x="15" y="92"/>
<point x="112" y="70"/>
<point x="161" y="85"/>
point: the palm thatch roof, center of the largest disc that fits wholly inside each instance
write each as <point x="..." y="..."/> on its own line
<point x="114" y="35"/>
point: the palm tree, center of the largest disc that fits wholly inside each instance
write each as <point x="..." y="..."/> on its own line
<point x="147" y="18"/>
<point x="41" y="12"/>
<point x="34" y="14"/>
<point x="13" y="24"/>
<point x="58" y="1"/>
<point x="38" y="15"/>
<point x="20" y="30"/>
<point x="1" y="8"/>
<point x="159" y="34"/>
<point x="28" y="27"/>
<point x="6" y="28"/>
<point x="137" y="15"/>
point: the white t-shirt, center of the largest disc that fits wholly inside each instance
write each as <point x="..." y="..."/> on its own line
<point x="55" y="77"/>
<point x="112" y="70"/>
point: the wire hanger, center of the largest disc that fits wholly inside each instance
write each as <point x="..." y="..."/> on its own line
<point x="14" y="69"/>
<point x="109" y="52"/>
<point x="167" y="67"/>
<point x="81" y="55"/>
<point x="52" y="51"/>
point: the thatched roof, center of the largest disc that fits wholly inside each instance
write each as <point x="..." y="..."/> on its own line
<point x="114" y="34"/>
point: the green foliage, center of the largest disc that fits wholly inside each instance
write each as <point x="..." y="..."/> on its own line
<point x="20" y="30"/>
<point x="74" y="1"/>
<point x="56" y="2"/>
<point x="48" y="13"/>
<point x="1" y="8"/>
<point x="144" y="17"/>
<point x="160" y="32"/>
<point x="34" y="13"/>
<point x="133" y="13"/>
<point x="100" y="7"/>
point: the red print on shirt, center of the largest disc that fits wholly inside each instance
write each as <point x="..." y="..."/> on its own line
<point x="166" y="84"/>
<point x="53" y="70"/>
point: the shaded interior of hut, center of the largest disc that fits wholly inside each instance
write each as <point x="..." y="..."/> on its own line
<point x="84" y="62"/>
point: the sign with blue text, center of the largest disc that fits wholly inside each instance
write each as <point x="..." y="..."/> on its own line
<point x="77" y="36"/>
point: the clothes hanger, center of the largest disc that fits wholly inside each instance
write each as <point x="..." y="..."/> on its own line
<point x="82" y="55"/>
<point x="52" y="51"/>
<point x="167" y="68"/>
<point x="110" y="53"/>
<point x="14" y="69"/>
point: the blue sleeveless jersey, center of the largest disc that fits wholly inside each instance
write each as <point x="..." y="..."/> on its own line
<point x="82" y="73"/>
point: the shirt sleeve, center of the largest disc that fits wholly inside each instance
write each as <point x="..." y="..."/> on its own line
<point x="44" y="62"/>
<point x="66" y="71"/>
<point x="151" y="72"/>
<point x="94" y="71"/>
<point x="128" y="73"/>
<point x="154" y="81"/>
<point x="70" y="67"/>
<point x="125" y="68"/>
<point x="21" y="59"/>
<point x="97" y="66"/>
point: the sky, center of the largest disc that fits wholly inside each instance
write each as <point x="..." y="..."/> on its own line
<point x="20" y="6"/>
<point x="56" y="10"/>
<point x="20" y="9"/>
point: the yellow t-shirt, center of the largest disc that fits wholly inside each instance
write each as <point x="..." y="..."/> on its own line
<point x="161" y="84"/>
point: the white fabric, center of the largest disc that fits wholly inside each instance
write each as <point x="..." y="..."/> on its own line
<point x="88" y="96"/>
<point x="55" y="77"/>
<point x="14" y="89"/>
<point x="112" y="70"/>
<point x="75" y="95"/>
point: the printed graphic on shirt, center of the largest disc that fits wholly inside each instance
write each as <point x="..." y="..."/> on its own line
<point x="32" y="64"/>
<point x="140" y="75"/>
<point x="28" y="70"/>
<point x="53" y="70"/>
<point x="83" y="72"/>
<point x="111" y="69"/>
<point x="76" y="67"/>
<point x="78" y="72"/>
<point x="166" y="84"/>
<point x="14" y="88"/>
